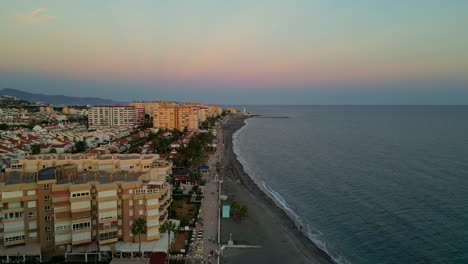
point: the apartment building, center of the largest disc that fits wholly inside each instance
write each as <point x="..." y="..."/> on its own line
<point x="117" y="115"/>
<point x="149" y="107"/>
<point x="213" y="110"/>
<point x="70" y="201"/>
<point x="232" y="111"/>
<point x="176" y="118"/>
<point x="202" y="113"/>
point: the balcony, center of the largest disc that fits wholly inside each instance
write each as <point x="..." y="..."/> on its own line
<point x="13" y="206"/>
<point x="14" y="241"/>
<point x="108" y="240"/>
<point x="164" y="207"/>
<point x="145" y="191"/>
<point x="163" y="218"/>
<point x="107" y="229"/>
<point x="108" y="237"/>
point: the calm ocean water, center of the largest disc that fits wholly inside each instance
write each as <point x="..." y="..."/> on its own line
<point x="385" y="184"/>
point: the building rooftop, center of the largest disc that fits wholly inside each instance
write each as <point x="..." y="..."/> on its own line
<point x="17" y="178"/>
<point x="100" y="176"/>
<point x="46" y="174"/>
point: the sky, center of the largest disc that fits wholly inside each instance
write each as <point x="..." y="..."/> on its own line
<point x="239" y="52"/>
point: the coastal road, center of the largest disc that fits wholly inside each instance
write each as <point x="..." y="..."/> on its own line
<point x="208" y="226"/>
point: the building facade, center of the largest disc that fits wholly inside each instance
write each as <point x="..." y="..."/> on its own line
<point x="213" y="110"/>
<point x="232" y="111"/>
<point x="149" y="107"/>
<point x="110" y="116"/>
<point x="176" y="118"/>
<point x="68" y="200"/>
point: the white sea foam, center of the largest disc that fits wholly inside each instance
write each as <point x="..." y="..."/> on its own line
<point x="313" y="235"/>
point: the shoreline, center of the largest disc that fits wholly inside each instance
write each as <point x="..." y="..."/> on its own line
<point x="267" y="224"/>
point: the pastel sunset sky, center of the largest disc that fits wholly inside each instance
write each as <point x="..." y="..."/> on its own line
<point x="239" y="52"/>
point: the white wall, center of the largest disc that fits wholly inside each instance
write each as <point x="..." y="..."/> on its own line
<point x="81" y="205"/>
<point x="109" y="193"/>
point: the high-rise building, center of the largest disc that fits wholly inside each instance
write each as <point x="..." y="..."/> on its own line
<point x="202" y="113"/>
<point x="231" y="111"/>
<point x="110" y="116"/>
<point x="214" y="110"/>
<point x="57" y="202"/>
<point x="176" y="118"/>
<point x="151" y="106"/>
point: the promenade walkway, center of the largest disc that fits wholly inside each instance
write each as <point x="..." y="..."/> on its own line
<point x="207" y="227"/>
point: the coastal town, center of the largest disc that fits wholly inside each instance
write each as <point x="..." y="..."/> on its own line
<point x="136" y="183"/>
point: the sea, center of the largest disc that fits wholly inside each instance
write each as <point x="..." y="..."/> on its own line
<point x="367" y="184"/>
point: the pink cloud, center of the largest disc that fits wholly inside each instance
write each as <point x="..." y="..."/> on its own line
<point x="35" y="17"/>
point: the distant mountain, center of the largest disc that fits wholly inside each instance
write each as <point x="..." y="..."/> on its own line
<point x="6" y="101"/>
<point x="58" y="99"/>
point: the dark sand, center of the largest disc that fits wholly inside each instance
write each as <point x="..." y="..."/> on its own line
<point x="267" y="225"/>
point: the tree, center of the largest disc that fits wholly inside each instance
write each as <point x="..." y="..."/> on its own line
<point x="80" y="146"/>
<point x="235" y="206"/>
<point x="170" y="178"/>
<point x="134" y="149"/>
<point x="139" y="228"/>
<point x="243" y="212"/>
<point x="169" y="227"/>
<point x="35" y="149"/>
<point x="195" y="177"/>
<point x="53" y="151"/>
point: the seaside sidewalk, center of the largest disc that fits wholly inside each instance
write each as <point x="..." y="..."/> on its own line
<point x="207" y="226"/>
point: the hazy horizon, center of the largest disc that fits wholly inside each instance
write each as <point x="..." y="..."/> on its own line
<point x="242" y="52"/>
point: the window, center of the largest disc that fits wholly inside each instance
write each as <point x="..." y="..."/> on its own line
<point x="47" y="208"/>
<point x="46" y="186"/>
<point x="81" y="226"/>
<point x="17" y="166"/>
<point x="15" y="238"/>
<point x="48" y="229"/>
<point x="32" y="214"/>
<point x="32" y="227"/>
<point x="46" y="198"/>
<point x="14" y="215"/>
<point x="109" y="235"/>
<point x="60" y="228"/>
<point x="49" y="239"/>
<point x="80" y="194"/>
<point x="48" y="218"/>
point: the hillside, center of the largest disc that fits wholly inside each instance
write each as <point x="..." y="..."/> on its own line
<point x="58" y="99"/>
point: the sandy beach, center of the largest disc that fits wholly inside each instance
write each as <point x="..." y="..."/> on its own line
<point x="266" y="225"/>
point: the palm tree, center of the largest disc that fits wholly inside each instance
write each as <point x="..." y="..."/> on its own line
<point x="243" y="211"/>
<point x="139" y="228"/>
<point x="235" y="206"/>
<point x="168" y="227"/>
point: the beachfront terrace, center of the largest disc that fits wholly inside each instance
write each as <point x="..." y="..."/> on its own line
<point x="18" y="177"/>
<point x="100" y="177"/>
<point x="94" y="162"/>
